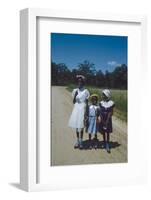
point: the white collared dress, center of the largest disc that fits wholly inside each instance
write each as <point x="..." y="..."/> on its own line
<point x="76" y="120"/>
<point x="92" y="119"/>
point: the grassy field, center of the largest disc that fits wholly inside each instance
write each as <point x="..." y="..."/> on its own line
<point x="118" y="96"/>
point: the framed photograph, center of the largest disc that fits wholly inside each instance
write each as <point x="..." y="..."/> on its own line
<point x="81" y="109"/>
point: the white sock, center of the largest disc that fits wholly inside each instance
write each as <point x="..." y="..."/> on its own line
<point x="80" y="140"/>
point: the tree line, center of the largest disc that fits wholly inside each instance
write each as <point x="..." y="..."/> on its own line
<point x="62" y="75"/>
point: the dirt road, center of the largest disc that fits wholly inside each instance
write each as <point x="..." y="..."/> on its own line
<point x="63" y="137"/>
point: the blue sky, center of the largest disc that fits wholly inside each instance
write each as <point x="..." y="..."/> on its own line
<point x="106" y="52"/>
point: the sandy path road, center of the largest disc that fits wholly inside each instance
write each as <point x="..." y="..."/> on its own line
<point x="63" y="137"/>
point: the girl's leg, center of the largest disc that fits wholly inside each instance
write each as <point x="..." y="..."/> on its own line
<point x="89" y="136"/>
<point x="77" y="135"/>
<point x="107" y="142"/>
<point x="108" y="137"/>
<point x="81" y="139"/>
<point x="77" y="143"/>
<point x="95" y="141"/>
<point x="81" y="134"/>
<point x="90" y="145"/>
<point x="104" y="140"/>
<point x="95" y="136"/>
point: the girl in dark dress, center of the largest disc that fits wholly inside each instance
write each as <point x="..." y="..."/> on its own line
<point x="106" y="112"/>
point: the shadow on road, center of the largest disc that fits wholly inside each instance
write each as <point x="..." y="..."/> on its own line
<point x="99" y="144"/>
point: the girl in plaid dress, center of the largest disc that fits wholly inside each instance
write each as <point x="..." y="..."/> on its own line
<point x="106" y="112"/>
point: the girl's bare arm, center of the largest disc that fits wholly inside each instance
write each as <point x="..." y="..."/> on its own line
<point x="74" y="99"/>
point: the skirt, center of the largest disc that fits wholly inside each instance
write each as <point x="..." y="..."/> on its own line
<point x="76" y="120"/>
<point x="92" y="127"/>
<point x="107" y="129"/>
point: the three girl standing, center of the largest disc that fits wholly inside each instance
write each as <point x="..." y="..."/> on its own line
<point x="96" y="118"/>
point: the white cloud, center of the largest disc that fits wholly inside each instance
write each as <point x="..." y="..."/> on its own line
<point x="113" y="63"/>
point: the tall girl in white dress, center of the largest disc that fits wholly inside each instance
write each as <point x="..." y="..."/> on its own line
<point x="80" y="100"/>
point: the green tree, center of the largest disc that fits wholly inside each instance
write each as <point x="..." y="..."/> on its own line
<point x="120" y="77"/>
<point x="88" y="70"/>
<point x="54" y="72"/>
<point x="61" y="75"/>
<point x="100" y="79"/>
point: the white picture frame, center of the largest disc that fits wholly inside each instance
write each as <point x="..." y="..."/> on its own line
<point x="29" y="149"/>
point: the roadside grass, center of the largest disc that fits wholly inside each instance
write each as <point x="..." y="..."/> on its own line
<point x="118" y="96"/>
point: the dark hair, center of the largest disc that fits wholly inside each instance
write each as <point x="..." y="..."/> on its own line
<point x="82" y="80"/>
<point x="94" y="97"/>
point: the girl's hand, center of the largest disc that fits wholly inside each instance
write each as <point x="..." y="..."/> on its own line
<point x="74" y="99"/>
<point x="104" y="128"/>
<point x="85" y="121"/>
<point x="104" y="125"/>
<point x="76" y="93"/>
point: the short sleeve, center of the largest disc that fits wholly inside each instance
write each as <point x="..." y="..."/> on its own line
<point x="73" y="92"/>
<point x="112" y="104"/>
<point x="87" y="94"/>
